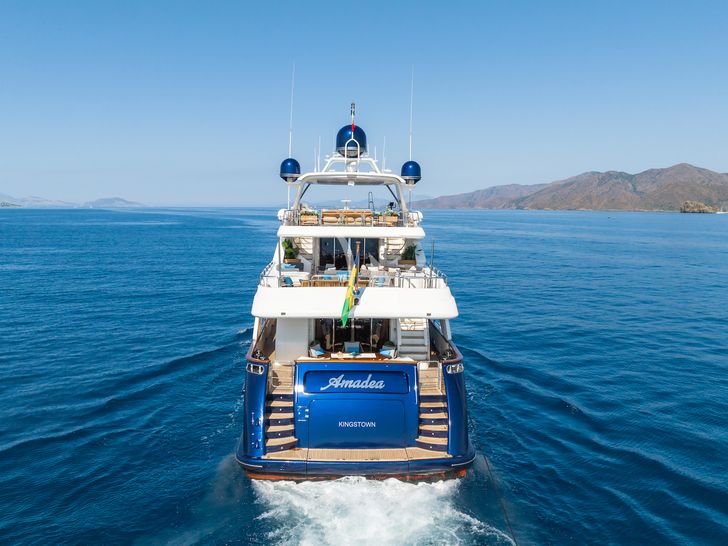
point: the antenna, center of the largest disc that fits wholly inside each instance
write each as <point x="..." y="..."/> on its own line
<point x="412" y="94"/>
<point x="318" y="157"/>
<point x="290" y="119"/>
<point x="432" y="260"/>
<point x="384" y="154"/>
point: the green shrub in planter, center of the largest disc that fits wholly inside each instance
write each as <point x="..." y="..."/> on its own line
<point x="290" y="251"/>
<point x="409" y="256"/>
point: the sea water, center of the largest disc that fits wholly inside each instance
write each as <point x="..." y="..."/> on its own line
<point x="596" y="353"/>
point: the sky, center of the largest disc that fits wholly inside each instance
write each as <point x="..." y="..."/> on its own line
<point x="187" y="102"/>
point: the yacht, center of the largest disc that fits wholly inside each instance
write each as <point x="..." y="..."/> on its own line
<point x="352" y="369"/>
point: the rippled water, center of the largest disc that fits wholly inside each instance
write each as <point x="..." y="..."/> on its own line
<point x="596" y="353"/>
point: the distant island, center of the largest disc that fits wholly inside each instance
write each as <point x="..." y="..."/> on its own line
<point x="665" y="189"/>
<point x="43" y="203"/>
<point x="697" y="206"/>
<point x="111" y="203"/>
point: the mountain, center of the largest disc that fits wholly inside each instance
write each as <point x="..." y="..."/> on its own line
<point x="497" y="197"/>
<point x="8" y="201"/>
<point x="655" y="189"/>
<point x="35" y="202"/>
<point x="112" y="203"/>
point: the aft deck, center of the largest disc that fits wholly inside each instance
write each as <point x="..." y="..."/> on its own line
<point x="283" y="425"/>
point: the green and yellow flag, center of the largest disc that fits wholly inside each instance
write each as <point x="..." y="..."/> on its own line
<point x="349" y="300"/>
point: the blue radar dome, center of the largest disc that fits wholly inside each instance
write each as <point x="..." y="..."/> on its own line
<point x="347" y="147"/>
<point x="411" y="172"/>
<point x="290" y="170"/>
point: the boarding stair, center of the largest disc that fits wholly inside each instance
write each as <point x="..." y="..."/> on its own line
<point x="434" y="417"/>
<point x="414" y="339"/>
<point x="279" y="421"/>
<point x="393" y="248"/>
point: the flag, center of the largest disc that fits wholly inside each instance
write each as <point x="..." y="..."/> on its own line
<point x="349" y="299"/>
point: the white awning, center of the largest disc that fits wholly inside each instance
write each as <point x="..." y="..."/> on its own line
<point x="326" y="302"/>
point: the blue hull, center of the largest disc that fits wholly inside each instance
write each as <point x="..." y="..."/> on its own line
<point x="350" y="405"/>
<point x="297" y="470"/>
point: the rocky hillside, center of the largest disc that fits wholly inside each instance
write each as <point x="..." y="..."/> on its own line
<point x="696" y="206"/>
<point x="497" y="197"/>
<point x="654" y="189"/>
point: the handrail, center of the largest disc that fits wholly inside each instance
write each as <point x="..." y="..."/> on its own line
<point x="266" y="270"/>
<point x="457" y="358"/>
<point x="267" y="328"/>
<point x="399" y="278"/>
<point x="250" y="358"/>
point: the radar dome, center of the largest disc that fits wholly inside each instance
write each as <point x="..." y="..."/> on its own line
<point x="290" y="170"/>
<point x="411" y="172"/>
<point x="346" y="146"/>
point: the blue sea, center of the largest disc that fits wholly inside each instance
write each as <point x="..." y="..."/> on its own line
<point x="596" y="349"/>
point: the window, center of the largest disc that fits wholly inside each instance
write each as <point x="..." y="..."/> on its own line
<point x="334" y="251"/>
<point x="368" y="250"/>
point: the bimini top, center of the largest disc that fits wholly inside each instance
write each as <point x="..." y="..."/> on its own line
<point x="356" y="178"/>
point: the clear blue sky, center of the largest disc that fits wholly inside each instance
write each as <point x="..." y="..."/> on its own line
<point x="187" y="102"/>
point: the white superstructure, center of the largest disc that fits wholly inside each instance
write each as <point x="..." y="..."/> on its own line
<point x="312" y="286"/>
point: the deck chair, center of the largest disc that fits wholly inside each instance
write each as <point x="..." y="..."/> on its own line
<point x="353" y="347"/>
<point x="315" y="350"/>
<point x="388" y="349"/>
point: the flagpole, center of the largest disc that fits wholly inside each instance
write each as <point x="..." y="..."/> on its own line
<point x="354" y="281"/>
<point x="349" y="298"/>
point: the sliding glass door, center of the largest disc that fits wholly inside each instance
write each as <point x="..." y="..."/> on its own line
<point x="333" y="252"/>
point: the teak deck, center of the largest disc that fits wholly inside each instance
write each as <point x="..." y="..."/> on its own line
<point x="358" y="455"/>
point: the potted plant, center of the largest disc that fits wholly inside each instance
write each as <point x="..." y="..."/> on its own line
<point x="391" y="217"/>
<point x="409" y="256"/>
<point x="290" y="252"/>
<point x="309" y="217"/>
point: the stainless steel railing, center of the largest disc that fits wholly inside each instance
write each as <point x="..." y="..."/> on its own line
<point x="397" y="278"/>
<point x="349" y="217"/>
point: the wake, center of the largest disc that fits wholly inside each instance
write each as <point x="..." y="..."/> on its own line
<point x="354" y="510"/>
<point x="348" y="511"/>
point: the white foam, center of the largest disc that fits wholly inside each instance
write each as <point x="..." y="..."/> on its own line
<point x="358" y="511"/>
